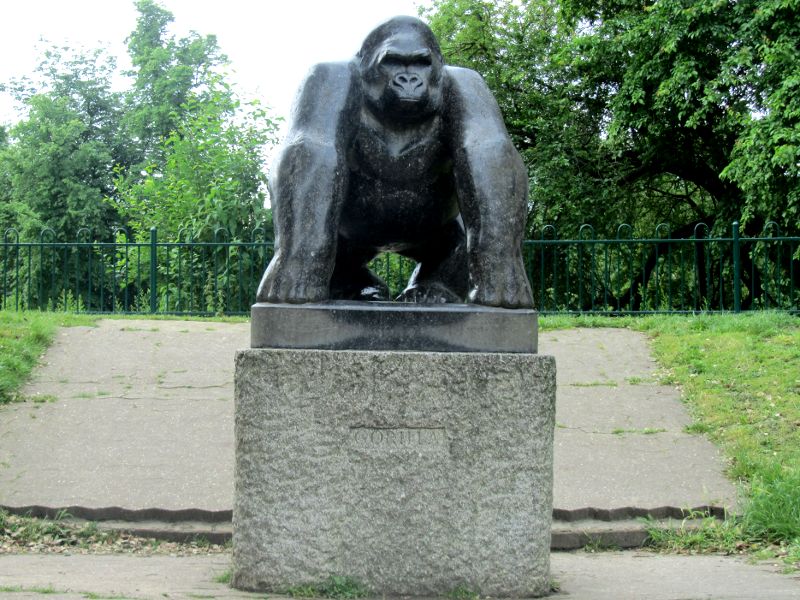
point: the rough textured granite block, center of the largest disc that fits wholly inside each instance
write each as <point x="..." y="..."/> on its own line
<point x="414" y="472"/>
<point x="340" y="325"/>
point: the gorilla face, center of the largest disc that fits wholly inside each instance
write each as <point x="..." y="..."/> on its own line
<point x="401" y="69"/>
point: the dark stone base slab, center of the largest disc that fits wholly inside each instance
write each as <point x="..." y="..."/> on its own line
<point x="340" y="325"/>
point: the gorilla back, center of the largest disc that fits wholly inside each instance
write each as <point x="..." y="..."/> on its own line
<point x="395" y="151"/>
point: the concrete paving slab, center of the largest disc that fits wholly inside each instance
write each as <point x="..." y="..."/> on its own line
<point x="167" y="453"/>
<point x="135" y="360"/>
<point x="142" y="413"/>
<point x="580" y="576"/>
<point x="599" y="354"/>
<point x="142" y="418"/>
<point x="116" y="575"/>
<point x="620" y="440"/>
<point x="638" y="575"/>
<point x="635" y="470"/>
<point x="623" y="409"/>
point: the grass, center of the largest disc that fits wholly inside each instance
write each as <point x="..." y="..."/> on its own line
<point x="636" y="380"/>
<point x="594" y="545"/>
<point x="17" y="589"/>
<point x="340" y="587"/>
<point x="740" y="377"/>
<point x="643" y="431"/>
<point x="463" y="592"/>
<point x="161" y="317"/>
<point x="43" y="398"/>
<point x="224" y="577"/>
<point x="24" y="336"/>
<point x="700" y="533"/>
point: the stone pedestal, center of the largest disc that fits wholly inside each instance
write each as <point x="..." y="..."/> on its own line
<point x="413" y="472"/>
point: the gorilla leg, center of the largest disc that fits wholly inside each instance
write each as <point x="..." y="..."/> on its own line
<point x="351" y="279"/>
<point x="442" y="274"/>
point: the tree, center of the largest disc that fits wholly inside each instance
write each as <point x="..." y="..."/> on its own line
<point x="14" y="215"/>
<point x="200" y="165"/>
<point x="177" y="151"/>
<point x="694" y="87"/>
<point x="170" y="76"/>
<point x="59" y="161"/>
<point x="518" y="47"/>
<point x="212" y="175"/>
<point x="679" y="110"/>
<point x="766" y="157"/>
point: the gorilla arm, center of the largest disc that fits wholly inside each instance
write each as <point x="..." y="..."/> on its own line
<point x="492" y="186"/>
<point x="307" y="187"/>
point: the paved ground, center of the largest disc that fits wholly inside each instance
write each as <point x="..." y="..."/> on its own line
<point x="580" y="576"/>
<point x="143" y="419"/>
<point x="137" y="416"/>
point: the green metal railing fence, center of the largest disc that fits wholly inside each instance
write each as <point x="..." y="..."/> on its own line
<point x="624" y="275"/>
<point x="627" y="275"/>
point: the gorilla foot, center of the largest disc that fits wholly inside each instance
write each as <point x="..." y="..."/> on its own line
<point x="433" y="293"/>
<point x="373" y="294"/>
<point x="364" y="286"/>
<point x="281" y="285"/>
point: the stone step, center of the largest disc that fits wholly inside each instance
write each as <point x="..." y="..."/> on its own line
<point x="566" y="535"/>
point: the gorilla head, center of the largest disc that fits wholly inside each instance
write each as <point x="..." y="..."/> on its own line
<point x="401" y="68"/>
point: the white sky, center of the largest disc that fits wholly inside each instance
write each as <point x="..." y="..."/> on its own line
<point x="270" y="43"/>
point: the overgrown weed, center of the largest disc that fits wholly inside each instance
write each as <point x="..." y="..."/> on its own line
<point x="340" y="587"/>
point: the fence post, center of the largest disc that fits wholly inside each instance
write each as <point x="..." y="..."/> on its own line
<point x="737" y="270"/>
<point x="153" y="269"/>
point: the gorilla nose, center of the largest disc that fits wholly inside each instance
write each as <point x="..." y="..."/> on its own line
<point x="408" y="81"/>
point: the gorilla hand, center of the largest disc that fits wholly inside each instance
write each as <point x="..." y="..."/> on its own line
<point x="293" y="281"/>
<point x="505" y="285"/>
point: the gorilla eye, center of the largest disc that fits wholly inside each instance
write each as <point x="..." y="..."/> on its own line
<point x="392" y="62"/>
<point x="416" y="60"/>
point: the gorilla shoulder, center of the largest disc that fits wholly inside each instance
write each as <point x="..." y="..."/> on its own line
<point x="471" y="110"/>
<point x="324" y="95"/>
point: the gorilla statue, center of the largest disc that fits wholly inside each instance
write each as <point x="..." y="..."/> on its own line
<point x="394" y="151"/>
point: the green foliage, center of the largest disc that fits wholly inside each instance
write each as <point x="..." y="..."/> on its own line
<point x="200" y="166"/>
<point x="394" y="270"/>
<point x="56" y="168"/>
<point x="177" y="150"/>
<point x="212" y="176"/>
<point x="741" y="377"/>
<point x="463" y="592"/>
<point x="699" y="532"/>
<point x="224" y="577"/>
<point x="772" y="511"/>
<point x="168" y="73"/>
<point x="23" y="531"/>
<point x="677" y="111"/>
